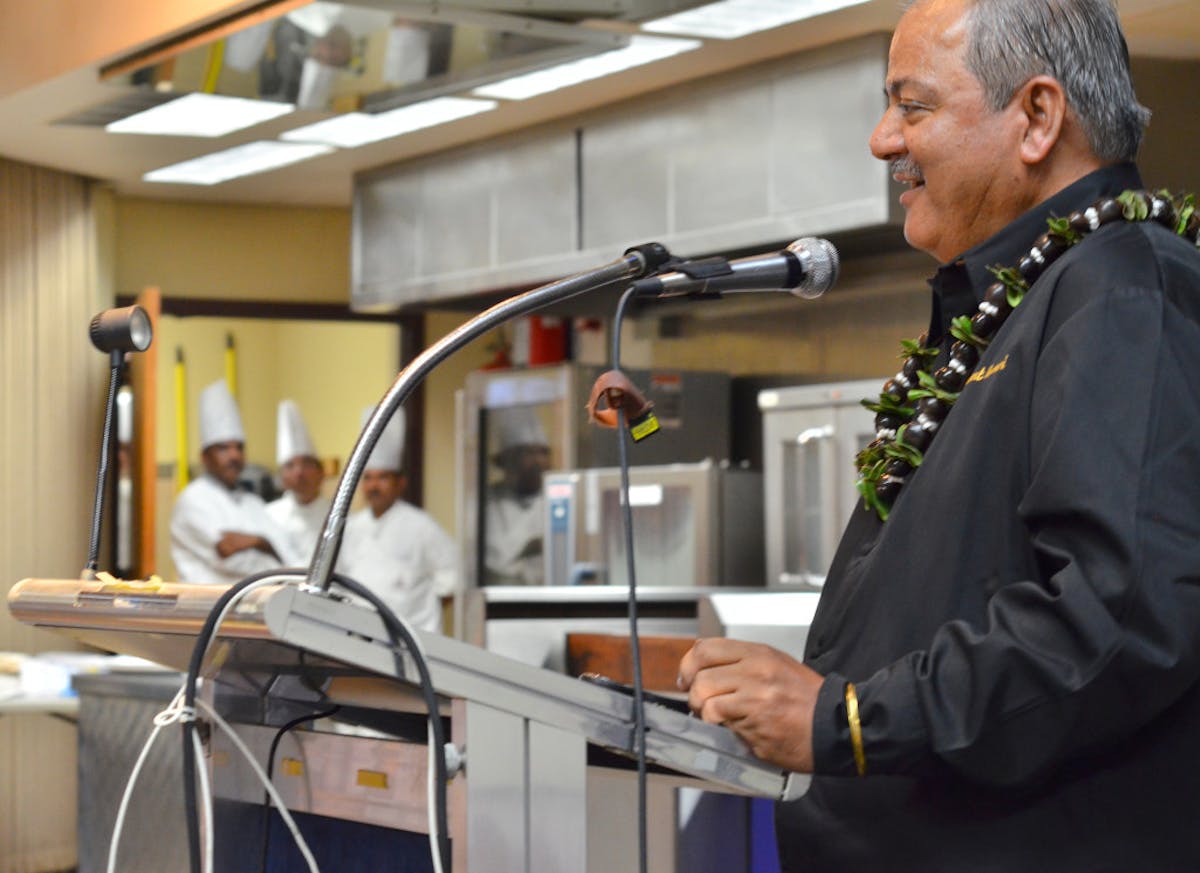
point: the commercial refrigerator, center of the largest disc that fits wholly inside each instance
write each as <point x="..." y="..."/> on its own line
<point x="811" y="434"/>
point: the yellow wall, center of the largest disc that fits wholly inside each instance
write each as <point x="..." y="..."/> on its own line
<point x="229" y="252"/>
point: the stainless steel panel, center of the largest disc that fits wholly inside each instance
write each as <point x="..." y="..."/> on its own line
<point x="456" y="222"/>
<point x="535" y="198"/>
<point x="497" y="817"/>
<point x="377" y="781"/>
<point x="386" y="218"/>
<point x="777" y="618"/>
<point x="626" y="180"/>
<point x="115" y="719"/>
<point x="821" y="118"/>
<point x="557" y="800"/>
<point x="720" y="161"/>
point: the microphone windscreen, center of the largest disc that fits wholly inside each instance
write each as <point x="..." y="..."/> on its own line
<point x="820" y="261"/>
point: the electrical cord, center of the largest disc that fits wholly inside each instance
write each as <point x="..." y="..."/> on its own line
<point x="279" y="735"/>
<point x="635" y="650"/>
<point x="399" y="634"/>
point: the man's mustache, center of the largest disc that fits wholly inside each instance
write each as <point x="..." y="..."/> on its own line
<point x="908" y="168"/>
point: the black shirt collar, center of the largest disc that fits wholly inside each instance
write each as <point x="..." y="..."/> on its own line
<point x="958" y="285"/>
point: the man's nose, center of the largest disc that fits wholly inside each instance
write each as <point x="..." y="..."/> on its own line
<point x="886" y="142"/>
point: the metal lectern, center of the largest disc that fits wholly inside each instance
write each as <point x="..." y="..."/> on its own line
<point x="529" y="735"/>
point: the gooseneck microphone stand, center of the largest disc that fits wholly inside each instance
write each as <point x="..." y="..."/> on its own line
<point x="636" y="262"/>
<point x="93" y="561"/>
<point x="115" y="331"/>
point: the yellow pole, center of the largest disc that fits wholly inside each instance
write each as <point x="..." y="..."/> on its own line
<point x="231" y="365"/>
<point x="181" y="423"/>
<point x="212" y="67"/>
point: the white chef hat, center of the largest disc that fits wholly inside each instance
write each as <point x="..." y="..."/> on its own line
<point x="292" y="439"/>
<point x="512" y="426"/>
<point x="388" y="453"/>
<point x="220" y="421"/>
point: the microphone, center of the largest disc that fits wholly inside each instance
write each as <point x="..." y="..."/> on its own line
<point x="807" y="268"/>
<point x="121" y="330"/>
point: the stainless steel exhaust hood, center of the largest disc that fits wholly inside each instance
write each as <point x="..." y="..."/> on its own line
<point x="745" y="160"/>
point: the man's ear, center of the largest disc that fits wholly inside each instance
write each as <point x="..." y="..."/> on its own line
<point x="1043" y="104"/>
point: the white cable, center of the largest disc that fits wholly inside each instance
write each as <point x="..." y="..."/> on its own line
<point x="262" y="776"/>
<point x="431" y="795"/>
<point x="206" y="801"/>
<point x="175" y="712"/>
<point x="119" y="824"/>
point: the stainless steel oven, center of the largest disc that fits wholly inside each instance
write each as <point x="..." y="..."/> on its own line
<point x="693" y="525"/>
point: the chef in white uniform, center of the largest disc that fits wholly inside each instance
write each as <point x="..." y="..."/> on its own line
<point x="302" y="509"/>
<point x="394" y="548"/>
<point x="219" y="532"/>
<point x="515" y="510"/>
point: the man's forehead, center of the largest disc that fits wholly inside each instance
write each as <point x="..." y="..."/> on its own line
<point x="225" y="446"/>
<point x="909" y="86"/>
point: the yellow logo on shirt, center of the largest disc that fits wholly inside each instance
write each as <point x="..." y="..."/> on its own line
<point x="988" y="372"/>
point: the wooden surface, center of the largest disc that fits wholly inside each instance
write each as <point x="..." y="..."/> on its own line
<point x="609" y="655"/>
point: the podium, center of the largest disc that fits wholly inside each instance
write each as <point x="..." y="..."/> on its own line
<point x="528" y="735"/>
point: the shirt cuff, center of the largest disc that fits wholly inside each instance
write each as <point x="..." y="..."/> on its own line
<point x="833" y="754"/>
<point x="895" y="738"/>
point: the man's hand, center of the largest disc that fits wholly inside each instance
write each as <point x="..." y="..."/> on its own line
<point x="761" y="694"/>
<point x="232" y="542"/>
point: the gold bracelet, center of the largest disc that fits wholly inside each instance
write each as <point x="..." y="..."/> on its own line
<point x="856" y="742"/>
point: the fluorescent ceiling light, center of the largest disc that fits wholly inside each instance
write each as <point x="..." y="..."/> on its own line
<point x="641" y="50"/>
<point x="201" y="115"/>
<point x="729" y="19"/>
<point x="243" y="160"/>
<point x="359" y="128"/>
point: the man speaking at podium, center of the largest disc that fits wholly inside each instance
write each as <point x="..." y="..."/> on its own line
<point x="1003" y="673"/>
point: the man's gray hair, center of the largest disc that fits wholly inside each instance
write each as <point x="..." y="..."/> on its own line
<point x="1079" y="43"/>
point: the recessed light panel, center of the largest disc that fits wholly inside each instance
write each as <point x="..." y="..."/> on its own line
<point x="243" y="160"/>
<point x="641" y="50"/>
<point x="359" y="128"/>
<point x="729" y="19"/>
<point x="200" y="115"/>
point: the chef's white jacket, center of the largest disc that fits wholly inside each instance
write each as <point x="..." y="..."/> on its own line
<point x="206" y="510"/>
<point x="405" y="558"/>
<point x="300" y="521"/>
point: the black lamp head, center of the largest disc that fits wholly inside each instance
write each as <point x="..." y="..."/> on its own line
<point x="126" y="329"/>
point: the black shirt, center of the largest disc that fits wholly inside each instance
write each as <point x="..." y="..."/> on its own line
<point x="1024" y="631"/>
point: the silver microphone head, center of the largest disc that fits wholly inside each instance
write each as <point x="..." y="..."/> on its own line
<point x="819" y="259"/>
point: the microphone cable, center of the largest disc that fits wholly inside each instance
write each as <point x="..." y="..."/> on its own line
<point x="275" y="740"/>
<point x="635" y="649"/>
